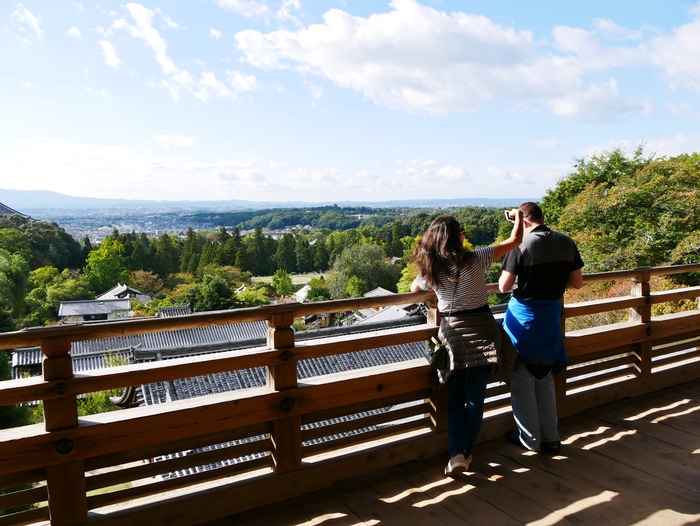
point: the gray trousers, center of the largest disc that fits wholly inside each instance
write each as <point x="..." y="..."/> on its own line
<point x="534" y="405"/>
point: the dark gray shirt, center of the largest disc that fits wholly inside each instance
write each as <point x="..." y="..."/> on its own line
<point x="542" y="264"/>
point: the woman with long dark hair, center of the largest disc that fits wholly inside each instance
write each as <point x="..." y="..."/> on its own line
<point x="468" y="329"/>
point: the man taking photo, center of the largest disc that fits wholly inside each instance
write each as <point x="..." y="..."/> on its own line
<point x="538" y="271"/>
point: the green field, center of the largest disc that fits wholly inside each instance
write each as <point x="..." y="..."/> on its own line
<point x="297" y="279"/>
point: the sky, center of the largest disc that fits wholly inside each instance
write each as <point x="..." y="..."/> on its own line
<point x="332" y="100"/>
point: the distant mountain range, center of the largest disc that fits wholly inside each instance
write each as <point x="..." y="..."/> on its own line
<point x="29" y="200"/>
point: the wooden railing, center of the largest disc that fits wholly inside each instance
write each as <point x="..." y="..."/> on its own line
<point x="288" y="437"/>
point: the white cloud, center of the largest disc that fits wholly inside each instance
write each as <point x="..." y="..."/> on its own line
<point x="28" y="20"/>
<point x="216" y="34"/>
<point x="144" y="30"/>
<point x="28" y="85"/>
<point x="418" y="170"/>
<point x="130" y="173"/>
<point x="174" y="141"/>
<point x="241" y="82"/>
<point x="169" y="22"/>
<point x="176" y="80"/>
<point x="526" y="180"/>
<point x="74" y="32"/>
<point x="111" y="58"/>
<point x="680" y="108"/>
<point x="670" y="146"/>
<point x="419" y="59"/>
<point x="611" y="31"/>
<point x="545" y="143"/>
<point x="145" y="172"/>
<point x="101" y="94"/>
<point x="285" y="12"/>
<point x="676" y="54"/>
<point x="316" y="91"/>
<point x="247" y="8"/>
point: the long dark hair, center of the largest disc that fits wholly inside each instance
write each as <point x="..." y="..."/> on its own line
<point x="440" y="249"/>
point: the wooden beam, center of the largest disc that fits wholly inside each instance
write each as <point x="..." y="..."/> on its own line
<point x="118" y="431"/>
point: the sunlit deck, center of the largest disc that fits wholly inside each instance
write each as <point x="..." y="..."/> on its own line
<point x="635" y="461"/>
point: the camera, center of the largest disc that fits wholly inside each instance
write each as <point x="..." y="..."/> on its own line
<point x="509" y="217"/>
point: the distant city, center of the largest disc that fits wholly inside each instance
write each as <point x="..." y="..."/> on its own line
<point x="98" y="224"/>
<point x="97" y="218"/>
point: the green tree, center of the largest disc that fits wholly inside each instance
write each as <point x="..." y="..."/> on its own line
<point x="602" y="170"/>
<point x="11" y="415"/>
<point x="304" y="255"/>
<point x="213" y="293"/>
<point x="14" y="276"/>
<point x="146" y="281"/>
<point x="165" y="256"/>
<point x="48" y="288"/>
<point x="367" y="263"/>
<point x="285" y="256"/>
<point x="649" y="216"/>
<point x="16" y="242"/>
<point x="318" y="290"/>
<point x="252" y="297"/>
<point x="105" y="266"/>
<point x="282" y="283"/>
<point x="320" y="255"/>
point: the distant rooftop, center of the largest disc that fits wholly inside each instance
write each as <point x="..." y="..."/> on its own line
<point x="7" y="211"/>
<point x="82" y="307"/>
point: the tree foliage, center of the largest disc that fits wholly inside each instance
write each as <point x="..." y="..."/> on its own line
<point x="282" y="283"/>
<point x="643" y="212"/>
<point x="105" y="265"/>
<point x="361" y="268"/>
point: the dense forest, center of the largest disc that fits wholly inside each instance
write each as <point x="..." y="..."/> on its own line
<point x="623" y="211"/>
<point x="40" y="265"/>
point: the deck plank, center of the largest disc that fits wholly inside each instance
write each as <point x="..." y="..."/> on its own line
<point x="463" y="495"/>
<point x="633" y="461"/>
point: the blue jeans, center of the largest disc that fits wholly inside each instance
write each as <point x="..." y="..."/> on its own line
<point x="534" y="405"/>
<point x="466" y="389"/>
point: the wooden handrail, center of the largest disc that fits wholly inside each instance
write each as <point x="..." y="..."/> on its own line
<point x="92" y="330"/>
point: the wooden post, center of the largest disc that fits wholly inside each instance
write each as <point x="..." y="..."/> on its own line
<point x="438" y="398"/>
<point x="65" y="481"/>
<point x="560" y="379"/>
<point x="286" y="432"/>
<point x="641" y="288"/>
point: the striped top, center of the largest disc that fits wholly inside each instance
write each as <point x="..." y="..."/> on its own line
<point x="471" y="289"/>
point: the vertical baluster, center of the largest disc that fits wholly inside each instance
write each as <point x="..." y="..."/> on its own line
<point x="65" y="481"/>
<point x="438" y="398"/>
<point x="642" y="288"/>
<point x="286" y="432"/>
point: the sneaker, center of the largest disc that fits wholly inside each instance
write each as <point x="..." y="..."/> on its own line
<point x="457" y="464"/>
<point x="550" y="448"/>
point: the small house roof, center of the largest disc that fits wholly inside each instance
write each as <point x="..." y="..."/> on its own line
<point x="379" y="291"/>
<point x="124" y="291"/>
<point x="86" y="307"/>
<point x="176" y="310"/>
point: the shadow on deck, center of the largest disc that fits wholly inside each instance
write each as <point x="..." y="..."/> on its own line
<point x="635" y="461"/>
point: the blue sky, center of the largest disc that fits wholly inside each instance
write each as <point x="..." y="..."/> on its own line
<point x="337" y="100"/>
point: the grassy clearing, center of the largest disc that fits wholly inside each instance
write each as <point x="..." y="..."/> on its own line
<point x="297" y="279"/>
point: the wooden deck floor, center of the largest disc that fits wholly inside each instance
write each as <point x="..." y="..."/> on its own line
<point x="636" y="461"/>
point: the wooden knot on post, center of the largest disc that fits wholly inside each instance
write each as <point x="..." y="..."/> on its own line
<point x="64" y="446"/>
<point x="287" y="404"/>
